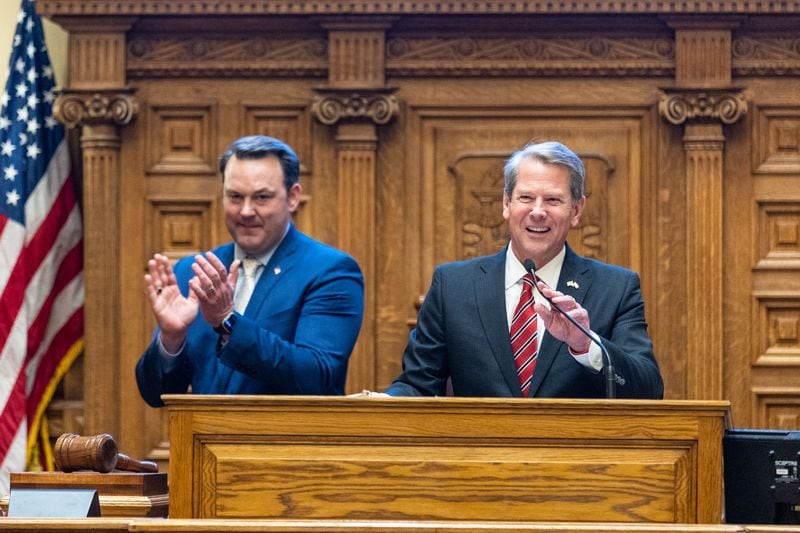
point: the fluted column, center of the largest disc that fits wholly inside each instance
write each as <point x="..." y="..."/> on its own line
<point x="356" y="144"/>
<point x="99" y="117"/>
<point x="703" y="103"/>
<point x="704" y="145"/>
<point x="355" y="102"/>
<point x="97" y="101"/>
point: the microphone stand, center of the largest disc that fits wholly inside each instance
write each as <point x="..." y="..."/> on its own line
<point x="608" y="368"/>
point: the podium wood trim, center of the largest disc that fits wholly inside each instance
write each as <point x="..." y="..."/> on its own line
<point x="121" y="494"/>
<point x="332" y="458"/>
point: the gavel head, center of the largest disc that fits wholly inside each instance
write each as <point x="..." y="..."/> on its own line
<point x="73" y="452"/>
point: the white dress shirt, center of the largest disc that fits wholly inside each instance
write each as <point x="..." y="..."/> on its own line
<point x="550" y="274"/>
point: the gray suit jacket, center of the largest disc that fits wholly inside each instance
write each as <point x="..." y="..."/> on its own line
<point x="462" y="334"/>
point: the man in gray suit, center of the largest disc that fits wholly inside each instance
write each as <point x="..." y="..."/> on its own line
<point x="470" y="325"/>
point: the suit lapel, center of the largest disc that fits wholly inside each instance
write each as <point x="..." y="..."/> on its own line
<point x="574" y="280"/>
<point x="490" y="293"/>
<point x="279" y="264"/>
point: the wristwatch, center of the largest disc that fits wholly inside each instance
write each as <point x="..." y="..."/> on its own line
<point x="226" y="326"/>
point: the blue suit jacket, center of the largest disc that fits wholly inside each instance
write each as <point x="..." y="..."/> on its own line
<point x="462" y="334"/>
<point x="295" y="336"/>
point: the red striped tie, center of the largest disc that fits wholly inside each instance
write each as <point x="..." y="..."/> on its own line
<point x="524" y="335"/>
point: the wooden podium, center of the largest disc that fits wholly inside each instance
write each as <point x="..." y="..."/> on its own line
<point x="335" y="458"/>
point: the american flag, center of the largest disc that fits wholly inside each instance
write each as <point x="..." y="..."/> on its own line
<point x="41" y="261"/>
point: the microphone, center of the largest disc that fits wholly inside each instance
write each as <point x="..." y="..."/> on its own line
<point x="608" y="368"/>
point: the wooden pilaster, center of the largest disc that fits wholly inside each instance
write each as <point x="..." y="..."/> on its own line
<point x="703" y="101"/>
<point x="356" y="101"/>
<point x="97" y="101"/>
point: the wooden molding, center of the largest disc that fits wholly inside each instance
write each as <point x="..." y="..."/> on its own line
<point x="332" y="105"/>
<point x="355" y="59"/>
<point x="227" y="525"/>
<point x="78" y="107"/>
<point x="708" y="105"/>
<point x="703" y="57"/>
<point x="598" y="55"/>
<point x="393" y="7"/>
<point x="760" y="55"/>
<point x="178" y="56"/>
<point x="356" y="54"/>
<point x="157" y="56"/>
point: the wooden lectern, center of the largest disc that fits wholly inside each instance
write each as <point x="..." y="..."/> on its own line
<point x="445" y="459"/>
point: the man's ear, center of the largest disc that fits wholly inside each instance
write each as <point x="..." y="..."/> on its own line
<point x="578" y="208"/>
<point x="293" y="197"/>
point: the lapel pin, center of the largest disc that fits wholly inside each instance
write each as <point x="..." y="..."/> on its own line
<point x="277" y="270"/>
<point x="574" y="284"/>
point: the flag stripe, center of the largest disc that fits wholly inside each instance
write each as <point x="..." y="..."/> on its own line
<point x="11" y="242"/>
<point x="14" y="291"/>
<point x="59" y="302"/>
<point x="12" y="357"/>
<point x="15" y="453"/>
<point x="49" y="187"/>
<point x="63" y="340"/>
<point x="13" y="413"/>
<point x="49" y="269"/>
<point x="46" y="235"/>
<point x="62" y="308"/>
<point x="28" y="265"/>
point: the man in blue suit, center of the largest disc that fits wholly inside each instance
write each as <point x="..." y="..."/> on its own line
<point x="273" y="312"/>
<point x="469" y="321"/>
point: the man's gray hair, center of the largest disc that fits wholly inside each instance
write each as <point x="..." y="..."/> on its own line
<point x="550" y="152"/>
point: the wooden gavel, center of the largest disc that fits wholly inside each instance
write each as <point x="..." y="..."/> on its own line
<point x="98" y="453"/>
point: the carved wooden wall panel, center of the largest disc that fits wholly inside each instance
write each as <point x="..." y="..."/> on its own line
<point x="763" y="255"/>
<point x="181" y="226"/>
<point x="466" y="168"/>
<point x="779" y="229"/>
<point x="778" y="323"/>
<point x="181" y="139"/>
<point x="767" y="257"/>
<point x="777" y="407"/>
<point x="777" y="133"/>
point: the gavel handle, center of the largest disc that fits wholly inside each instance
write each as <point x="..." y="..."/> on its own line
<point x="132" y="465"/>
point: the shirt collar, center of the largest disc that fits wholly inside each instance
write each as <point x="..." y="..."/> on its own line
<point x="548" y="273"/>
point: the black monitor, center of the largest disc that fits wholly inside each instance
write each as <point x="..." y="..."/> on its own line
<point x="762" y="481"/>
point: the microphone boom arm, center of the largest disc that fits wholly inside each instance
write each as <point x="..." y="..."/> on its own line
<point x="608" y="368"/>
